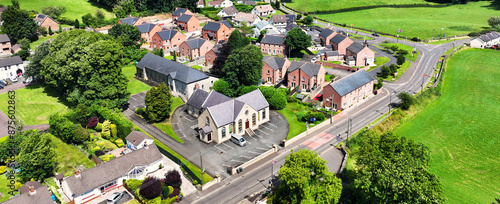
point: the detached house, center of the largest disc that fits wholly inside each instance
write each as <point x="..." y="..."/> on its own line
<point x="273" y="45"/>
<point x="179" y="11"/>
<point x="305" y="75"/>
<point x="340" y="43"/>
<point x="265" y="25"/>
<point x="348" y="91"/>
<point x="93" y="183"/>
<point x="217" y="31"/>
<point x="220" y="116"/>
<point x="228" y="12"/>
<point x="250" y="19"/>
<point x="326" y="35"/>
<point x="6" y="46"/>
<point x="30" y="193"/>
<point x="200" y="4"/>
<point x="188" y="23"/>
<point x="148" y="30"/>
<point x="167" y="39"/>
<point x="220" y="3"/>
<point x="486" y="40"/>
<point x="278" y="20"/>
<point x="137" y="140"/>
<point x="11" y="67"/>
<point x="131" y="21"/>
<point x="212" y="55"/>
<point x="274" y="69"/>
<point x="194" y="48"/>
<point x="263" y="10"/>
<point x="47" y="22"/>
<point x="363" y="55"/>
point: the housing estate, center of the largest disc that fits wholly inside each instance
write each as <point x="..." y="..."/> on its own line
<point x="11" y="67"/>
<point x="326" y="35"/>
<point x="250" y="19"/>
<point x="332" y="56"/>
<point x="220" y="3"/>
<point x="217" y="31"/>
<point x="194" y="48"/>
<point x="263" y="10"/>
<point x="137" y="140"/>
<point x="148" y="30"/>
<point x="47" y="22"/>
<point x="167" y="39"/>
<point x="274" y="69"/>
<point x="227" y="12"/>
<point x="363" y="56"/>
<point x="305" y="75"/>
<point x="133" y="21"/>
<point x="181" y="79"/>
<point x="200" y="4"/>
<point x="486" y="40"/>
<point x="31" y="192"/>
<point x="348" y="91"/>
<point x="220" y="116"/>
<point x="340" y="43"/>
<point x="265" y="25"/>
<point x="179" y="11"/>
<point x="188" y="23"/>
<point x="273" y="45"/>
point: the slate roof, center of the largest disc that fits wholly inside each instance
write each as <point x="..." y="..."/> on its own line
<point x="310" y="69"/>
<point x="129" y="20"/>
<point x="184" y="18"/>
<point x="326" y="32"/>
<point x="41" y="196"/>
<point x="227" y="24"/>
<point x="291" y="18"/>
<point x="273" y="39"/>
<point x="167" y="34"/>
<point x="195" y="43"/>
<point x="26" y="187"/>
<point x="212" y="26"/>
<point x="176" y="70"/>
<point x="332" y="53"/>
<point x="291" y="26"/>
<point x="214" y="98"/>
<point x="351" y="82"/>
<point x="245" y="17"/>
<point x="136" y="137"/>
<point x="230" y="10"/>
<point x="355" y="47"/>
<point x="197" y="98"/>
<point x="254" y="99"/>
<point x="4" y="38"/>
<point x="261" y="24"/>
<point x="278" y="18"/>
<point x="179" y="11"/>
<point x="489" y="36"/>
<point x="109" y="171"/>
<point x="146" y="27"/>
<point x="213" y="3"/>
<point x="10" y="61"/>
<point x="274" y="62"/>
<point x="338" y="38"/>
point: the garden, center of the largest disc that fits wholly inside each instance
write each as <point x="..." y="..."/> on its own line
<point x="134" y="86"/>
<point x="157" y="190"/>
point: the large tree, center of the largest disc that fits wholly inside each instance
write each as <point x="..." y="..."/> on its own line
<point x="158" y="101"/>
<point x="222" y="87"/>
<point x="34" y="67"/>
<point x="127" y="35"/>
<point x="17" y="24"/>
<point x="406" y="100"/>
<point x="306" y="179"/>
<point x="392" y="169"/>
<point x="235" y="41"/>
<point x="54" y="11"/>
<point x="24" y="53"/>
<point x="297" y="39"/>
<point x="36" y="157"/>
<point x="243" y="67"/>
<point x="87" y="67"/>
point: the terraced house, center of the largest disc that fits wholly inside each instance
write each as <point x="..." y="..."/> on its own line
<point x="194" y="48"/>
<point x="349" y="91"/>
<point x="274" y="69"/>
<point x="167" y="39"/>
<point x="148" y="30"/>
<point x="305" y="75"/>
<point x="273" y="45"/>
<point x="133" y="21"/>
<point x="179" y="11"/>
<point x="340" y="43"/>
<point x="326" y="35"/>
<point x="363" y="56"/>
<point x="217" y="31"/>
<point x="188" y="23"/>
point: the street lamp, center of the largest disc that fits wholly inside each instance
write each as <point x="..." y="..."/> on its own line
<point x="390" y="100"/>
<point x="432" y="38"/>
<point x="202" y="169"/>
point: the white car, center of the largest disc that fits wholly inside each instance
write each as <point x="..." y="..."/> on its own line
<point x="13" y="79"/>
<point x="114" y="198"/>
<point x="313" y="60"/>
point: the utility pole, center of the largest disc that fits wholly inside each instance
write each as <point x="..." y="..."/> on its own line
<point x="202" y="169"/>
<point x="432" y="38"/>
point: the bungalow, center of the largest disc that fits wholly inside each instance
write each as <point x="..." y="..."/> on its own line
<point x="179" y="11"/>
<point x="188" y="23"/>
<point x="263" y="10"/>
<point x="6" y="46"/>
<point x="47" y="22"/>
<point x="220" y="3"/>
<point x="11" y="67"/>
<point x="340" y="43"/>
<point x="331" y="56"/>
<point x="194" y="48"/>
<point x="180" y="78"/>
<point x="363" y="55"/>
<point x="486" y="40"/>
<point x="228" y="12"/>
<point x="221" y="116"/>
<point x="348" y="91"/>
<point x="131" y="21"/>
<point x="265" y="25"/>
<point x="291" y="18"/>
<point x="148" y="30"/>
<point x="32" y="192"/>
<point x="217" y="31"/>
<point x="305" y="75"/>
<point x="250" y="19"/>
<point x="167" y="39"/>
<point x="326" y="35"/>
<point x="212" y="55"/>
<point x="200" y="4"/>
<point x="93" y="183"/>
<point x="278" y="20"/>
<point x="273" y="45"/>
<point x="274" y="69"/>
<point x="137" y="140"/>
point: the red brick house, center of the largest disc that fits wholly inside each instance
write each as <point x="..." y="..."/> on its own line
<point x="326" y="35"/>
<point x="45" y="21"/>
<point x="274" y="69"/>
<point x="188" y="23"/>
<point x="305" y="75"/>
<point x="212" y="55"/>
<point x="217" y="31"/>
<point x="6" y="46"/>
<point x="363" y="55"/>
<point x="348" y="91"/>
<point x="148" y="30"/>
<point x="340" y="43"/>
<point x="273" y="45"/>
<point x="179" y="11"/>
<point x="131" y="21"/>
<point x="167" y="39"/>
<point x="194" y="48"/>
<point x="331" y="56"/>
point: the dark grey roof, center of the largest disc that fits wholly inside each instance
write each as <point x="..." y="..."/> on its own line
<point x="10" y="61"/>
<point x="489" y="36"/>
<point x="179" y="11"/>
<point x="308" y="68"/>
<point x="196" y="43"/>
<point x="273" y="39"/>
<point x="4" y="38"/>
<point x="254" y="99"/>
<point x="291" y="18"/>
<point x="226" y="23"/>
<point x="338" y="38"/>
<point x="291" y="26"/>
<point x="351" y="82"/>
<point x="109" y="171"/>
<point x="167" y="34"/>
<point x="214" y="98"/>
<point x="212" y="26"/>
<point x="274" y="62"/>
<point x="230" y="10"/>
<point x="176" y="70"/>
<point x="136" y="137"/>
<point x="26" y="187"/>
<point x="184" y="18"/>
<point x="355" y="47"/>
<point x="129" y="20"/>
<point x="206" y="129"/>
<point x="197" y="98"/>
<point x="41" y="196"/>
<point x="146" y="27"/>
<point x="326" y="32"/>
<point x="332" y="53"/>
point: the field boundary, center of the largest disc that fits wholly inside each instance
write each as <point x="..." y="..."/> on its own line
<point x="358" y="8"/>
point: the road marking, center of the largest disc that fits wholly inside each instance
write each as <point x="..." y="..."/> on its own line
<point x="234" y="160"/>
<point x="247" y="157"/>
<point x="254" y="152"/>
<point x="226" y="165"/>
<point x="272" y="124"/>
<point x="219" y="148"/>
<point x="260" y="148"/>
<point x="188" y="119"/>
<point x="267" y="128"/>
<point x="227" y="145"/>
<point x="262" y="132"/>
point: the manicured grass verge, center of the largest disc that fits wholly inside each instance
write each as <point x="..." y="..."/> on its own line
<point x="460" y="128"/>
<point x="34" y="104"/>
<point x="134" y="86"/>
<point x="170" y="57"/>
<point x="290" y="112"/>
<point x="402" y="69"/>
<point x="34" y="44"/>
<point x="196" y="67"/>
<point x="409" y="49"/>
<point x="334" y="62"/>
<point x="69" y="157"/>
<point x="167" y="125"/>
<point x="379" y="61"/>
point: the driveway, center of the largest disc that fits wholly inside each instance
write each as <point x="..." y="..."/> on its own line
<point x="137" y="101"/>
<point x="102" y="200"/>
<point x="19" y="84"/>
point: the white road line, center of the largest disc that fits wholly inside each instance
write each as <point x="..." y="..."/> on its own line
<point x="261" y="148"/>
<point x="262" y="132"/>
<point x="267" y="128"/>
<point x="247" y="157"/>
<point x="258" y="136"/>
<point x="226" y="165"/>
<point x="188" y="119"/>
<point x="219" y="148"/>
<point x="227" y="145"/>
<point x="254" y="152"/>
<point x="272" y="124"/>
<point x="234" y="160"/>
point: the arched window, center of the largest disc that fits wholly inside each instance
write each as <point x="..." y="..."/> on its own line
<point x="254" y="120"/>
<point x="207" y="122"/>
<point x="223" y="132"/>
<point x="231" y="128"/>
<point x="240" y="126"/>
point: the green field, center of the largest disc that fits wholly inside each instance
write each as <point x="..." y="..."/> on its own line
<point x="134" y="86"/>
<point x="75" y="9"/>
<point x="419" y="22"/>
<point x="460" y="128"/>
<point x="328" y="5"/>
<point x="34" y="104"/>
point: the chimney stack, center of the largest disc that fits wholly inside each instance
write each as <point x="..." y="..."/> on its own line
<point x="145" y="145"/>
<point x="77" y="174"/>
<point x="32" y="190"/>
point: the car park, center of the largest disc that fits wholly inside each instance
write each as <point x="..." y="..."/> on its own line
<point x="239" y="140"/>
<point x="114" y="198"/>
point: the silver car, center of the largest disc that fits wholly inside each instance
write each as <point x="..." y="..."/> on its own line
<point x="114" y="198"/>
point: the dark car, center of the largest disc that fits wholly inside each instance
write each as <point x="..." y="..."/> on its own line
<point x="375" y="34"/>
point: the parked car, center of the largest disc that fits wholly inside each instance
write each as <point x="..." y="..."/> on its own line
<point x="238" y="140"/>
<point x="13" y="79"/>
<point x="375" y="34"/>
<point x="318" y="97"/>
<point x="28" y="80"/>
<point x="114" y="198"/>
<point x="314" y="59"/>
<point x="1" y="87"/>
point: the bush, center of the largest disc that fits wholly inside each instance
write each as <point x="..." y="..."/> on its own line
<point x="164" y="191"/>
<point x="98" y="127"/>
<point x="81" y="134"/>
<point x="106" y="158"/>
<point x="133" y="184"/>
<point x="140" y="111"/>
<point x="106" y="126"/>
<point x="406" y="100"/>
<point x="119" y="143"/>
<point x="91" y="131"/>
<point x="17" y="185"/>
<point x="93" y="122"/>
<point x="150" y="188"/>
<point x="173" y="178"/>
<point x="3" y="169"/>
<point x="105" y="135"/>
<point x="195" y="182"/>
<point x="99" y="153"/>
<point x="169" y="200"/>
<point x="113" y="130"/>
<point x="305" y="116"/>
<point x="276" y="99"/>
<point x="175" y="193"/>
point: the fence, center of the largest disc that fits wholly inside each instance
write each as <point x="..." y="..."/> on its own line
<point x="180" y="163"/>
<point x="254" y="160"/>
<point x="443" y="62"/>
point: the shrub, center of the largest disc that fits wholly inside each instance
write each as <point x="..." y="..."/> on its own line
<point x="139" y="111"/>
<point x="133" y="184"/>
<point x="81" y="134"/>
<point x="106" y="158"/>
<point x="195" y="182"/>
<point x="150" y="188"/>
<point x="93" y="122"/>
<point x="98" y="153"/>
<point x="164" y="191"/>
<point x="406" y="100"/>
<point x="156" y="200"/>
<point x="91" y="131"/>
<point x="105" y="135"/>
<point x="17" y="185"/>
<point x="113" y="130"/>
<point x="169" y="200"/>
<point x="119" y="143"/>
<point x="175" y="193"/>
<point x="3" y="169"/>
<point x="173" y="178"/>
<point x="106" y="126"/>
<point x="98" y="127"/>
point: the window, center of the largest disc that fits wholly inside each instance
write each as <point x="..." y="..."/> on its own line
<point x="303" y="78"/>
<point x="254" y="122"/>
<point x="207" y="121"/>
<point x="294" y="77"/>
<point x="268" y="72"/>
<point x="240" y="126"/>
<point x="223" y="132"/>
<point x="246" y="112"/>
<point x="231" y="128"/>
<point x="264" y="114"/>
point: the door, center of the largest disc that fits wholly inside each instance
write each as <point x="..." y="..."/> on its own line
<point x="209" y="137"/>
<point x="247" y="124"/>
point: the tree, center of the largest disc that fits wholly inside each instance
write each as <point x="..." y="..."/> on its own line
<point x="248" y="89"/>
<point x="158" y="101"/>
<point x="173" y="178"/>
<point x="34" y="67"/>
<point x="54" y="11"/>
<point x="124" y="8"/>
<point x="245" y="29"/>
<point x="50" y="31"/>
<point x="175" y="57"/>
<point x="77" y="24"/>
<point x="62" y="128"/>
<point x="275" y="98"/>
<point x="24" y="53"/>
<point x="297" y="39"/>
<point x="384" y="71"/>
<point x="262" y="33"/>
<point x="299" y="16"/>
<point x="150" y="188"/>
<point x="190" y="4"/>
<point x="400" y="59"/>
<point x="81" y="134"/>
<point x="243" y="67"/>
<point x="236" y="40"/>
<point x="393" y="68"/>
<point x="127" y="35"/>
<point x="494" y="21"/>
<point x="306" y="179"/>
<point x="392" y="169"/>
<point x="158" y="52"/>
<point x="93" y="122"/>
<point x="308" y="20"/>
<point x="222" y="87"/>
<point x="15" y="4"/>
<point x="36" y="157"/>
<point x="17" y="24"/>
<point x="406" y="100"/>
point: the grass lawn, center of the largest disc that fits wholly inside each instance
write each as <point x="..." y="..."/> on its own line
<point x="134" y="201"/>
<point x="329" y="77"/>
<point x="41" y="39"/>
<point x="69" y="157"/>
<point x="379" y="61"/>
<point x="170" y="57"/>
<point x="410" y="55"/>
<point x="5" y="189"/>
<point x="327" y="5"/>
<point x="166" y="126"/>
<point x="134" y="86"/>
<point x="290" y="113"/>
<point x="334" y="62"/>
<point x="75" y="9"/>
<point x="34" y="104"/>
<point x="415" y="22"/>
<point x="460" y="128"/>
<point x="402" y="69"/>
<point x="196" y="67"/>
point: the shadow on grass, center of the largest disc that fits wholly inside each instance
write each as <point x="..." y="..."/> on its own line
<point x="52" y="93"/>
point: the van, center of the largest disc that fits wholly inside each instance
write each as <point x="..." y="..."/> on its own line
<point x="239" y="140"/>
